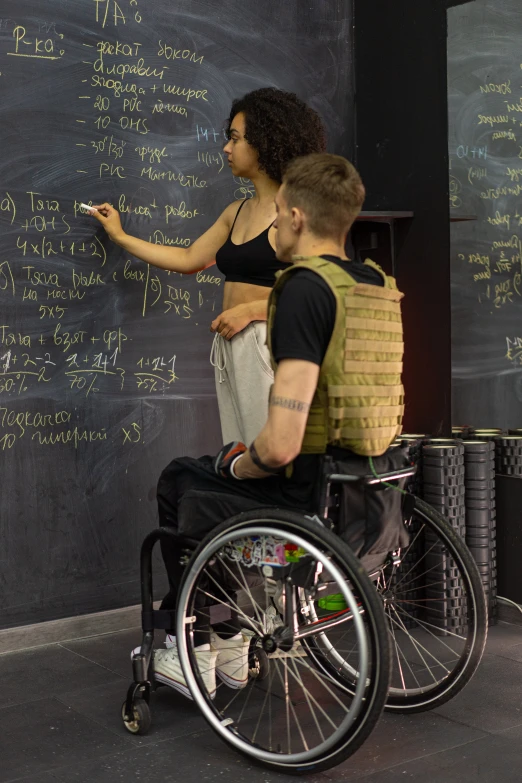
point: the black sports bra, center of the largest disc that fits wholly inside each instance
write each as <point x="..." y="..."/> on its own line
<point x="252" y="262"/>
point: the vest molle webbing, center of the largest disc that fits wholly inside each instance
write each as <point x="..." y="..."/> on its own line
<point x="359" y="401"/>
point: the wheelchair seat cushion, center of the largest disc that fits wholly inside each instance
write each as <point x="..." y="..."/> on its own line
<point x="200" y="511"/>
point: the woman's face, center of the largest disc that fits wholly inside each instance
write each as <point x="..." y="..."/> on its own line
<point x="242" y="158"/>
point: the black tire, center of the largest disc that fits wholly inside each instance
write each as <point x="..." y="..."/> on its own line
<point x="374" y="685"/>
<point x="142" y="717"/>
<point x="457" y="633"/>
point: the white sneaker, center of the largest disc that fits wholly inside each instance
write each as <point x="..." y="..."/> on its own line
<point x="273" y="619"/>
<point x="167" y="668"/>
<point x="232" y="659"/>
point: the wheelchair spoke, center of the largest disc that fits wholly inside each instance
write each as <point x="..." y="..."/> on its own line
<point x="407" y="551"/>
<point x="318" y="705"/>
<point x="422" y="602"/>
<point x="224" y="603"/>
<point x="324" y="680"/>
<point x="308" y="701"/>
<point x="441" y="583"/>
<point x="229" y="601"/>
<point x="261" y="712"/>
<point x="399" y="652"/>
<point x="427" y="626"/>
<point x="287" y="705"/>
<point x="296" y="719"/>
<point x="243" y="586"/>
<point x="297" y="678"/>
<point x="423" y="557"/>
<point x="340" y="650"/>
<point x="418" y="646"/>
<point x="250" y="688"/>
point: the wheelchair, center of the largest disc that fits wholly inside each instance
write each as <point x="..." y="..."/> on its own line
<point x="332" y="643"/>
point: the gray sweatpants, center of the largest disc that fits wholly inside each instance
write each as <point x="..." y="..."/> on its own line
<point x="243" y="380"/>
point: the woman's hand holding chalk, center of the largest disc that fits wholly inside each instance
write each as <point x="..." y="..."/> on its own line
<point x="88" y="208"/>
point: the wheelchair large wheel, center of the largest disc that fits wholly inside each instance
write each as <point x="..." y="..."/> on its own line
<point x="437" y="617"/>
<point x="295" y="718"/>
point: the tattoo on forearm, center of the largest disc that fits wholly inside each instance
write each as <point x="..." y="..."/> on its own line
<point x="292" y="405"/>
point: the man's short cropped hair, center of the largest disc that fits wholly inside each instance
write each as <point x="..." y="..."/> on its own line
<point x="328" y="189"/>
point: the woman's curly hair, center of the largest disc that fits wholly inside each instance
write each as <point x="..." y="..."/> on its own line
<point x="280" y="127"/>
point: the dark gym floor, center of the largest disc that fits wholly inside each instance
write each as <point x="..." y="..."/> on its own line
<point x="60" y="723"/>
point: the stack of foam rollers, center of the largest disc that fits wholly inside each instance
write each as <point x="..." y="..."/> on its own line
<point x="443" y="474"/>
<point x="457" y="477"/>
<point x="481" y="514"/>
<point x="482" y="449"/>
<point x="508" y="456"/>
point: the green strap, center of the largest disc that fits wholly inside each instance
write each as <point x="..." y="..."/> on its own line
<point x="386" y="483"/>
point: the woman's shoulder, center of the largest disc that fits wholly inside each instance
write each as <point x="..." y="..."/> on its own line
<point x="230" y="213"/>
<point x="234" y="207"/>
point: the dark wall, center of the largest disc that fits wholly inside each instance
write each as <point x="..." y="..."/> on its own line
<point x="485" y="140"/>
<point x="401" y="151"/>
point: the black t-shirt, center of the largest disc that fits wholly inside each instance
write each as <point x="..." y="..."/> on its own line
<point x="306" y="310"/>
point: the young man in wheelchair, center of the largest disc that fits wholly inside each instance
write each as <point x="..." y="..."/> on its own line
<point x="335" y="336"/>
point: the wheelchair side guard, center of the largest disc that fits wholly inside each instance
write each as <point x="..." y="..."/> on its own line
<point x="264" y="551"/>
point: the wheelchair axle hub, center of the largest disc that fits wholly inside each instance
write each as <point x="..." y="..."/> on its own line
<point x="388" y="597"/>
<point x="281" y="639"/>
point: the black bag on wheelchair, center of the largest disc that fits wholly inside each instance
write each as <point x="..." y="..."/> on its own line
<point x="370" y="518"/>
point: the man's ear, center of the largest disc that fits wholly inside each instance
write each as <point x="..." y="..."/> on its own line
<point x="298" y="220"/>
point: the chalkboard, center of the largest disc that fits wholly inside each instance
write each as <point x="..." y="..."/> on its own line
<point x="104" y="361"/>
<point x="485" y="145"/>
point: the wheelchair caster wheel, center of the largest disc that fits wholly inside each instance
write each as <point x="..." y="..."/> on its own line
<point x="258" y="664"/>
<point x="141" y="717"/>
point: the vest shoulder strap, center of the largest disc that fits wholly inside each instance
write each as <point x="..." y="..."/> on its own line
<point x="389" y="281"/>
<point x="331" y="273"/>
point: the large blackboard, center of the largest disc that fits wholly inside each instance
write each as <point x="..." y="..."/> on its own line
<point x="485" y="107"/>
<point x="104" y="371"/>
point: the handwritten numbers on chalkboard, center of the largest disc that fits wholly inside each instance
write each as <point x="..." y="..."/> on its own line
<point x="155" y="374"/>
<point x="137" y="15"/>
<point x="133" y="434"/>
<point x="455" y="188"/>
<point x="110" y="11"/>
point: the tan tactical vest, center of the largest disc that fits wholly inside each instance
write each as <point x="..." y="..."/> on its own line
<point x="359" y="401"/>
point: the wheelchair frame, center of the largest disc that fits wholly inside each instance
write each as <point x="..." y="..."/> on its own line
<point x="282" y="639"/>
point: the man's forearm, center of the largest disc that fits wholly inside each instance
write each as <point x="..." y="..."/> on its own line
<point x="246" y="468"/>
<point x="280" y="440"/>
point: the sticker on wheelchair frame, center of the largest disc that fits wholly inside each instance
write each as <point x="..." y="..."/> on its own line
<point x="264" y="551"/>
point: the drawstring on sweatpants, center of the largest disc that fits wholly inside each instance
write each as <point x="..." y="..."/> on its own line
<point x="218" y="358"/>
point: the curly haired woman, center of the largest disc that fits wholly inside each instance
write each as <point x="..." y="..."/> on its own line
<point x="266" y="129"/>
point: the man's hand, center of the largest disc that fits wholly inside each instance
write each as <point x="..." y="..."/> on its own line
<point x="232" y="321"/>
<point x="226" y="457"/>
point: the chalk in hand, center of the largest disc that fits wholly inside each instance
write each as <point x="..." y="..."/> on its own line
<point x="87" y="207"/>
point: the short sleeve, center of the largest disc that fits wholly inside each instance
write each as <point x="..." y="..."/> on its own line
<point x="304" y="320"/>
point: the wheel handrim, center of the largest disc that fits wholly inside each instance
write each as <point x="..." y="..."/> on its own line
<point x="288" y="671"/>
